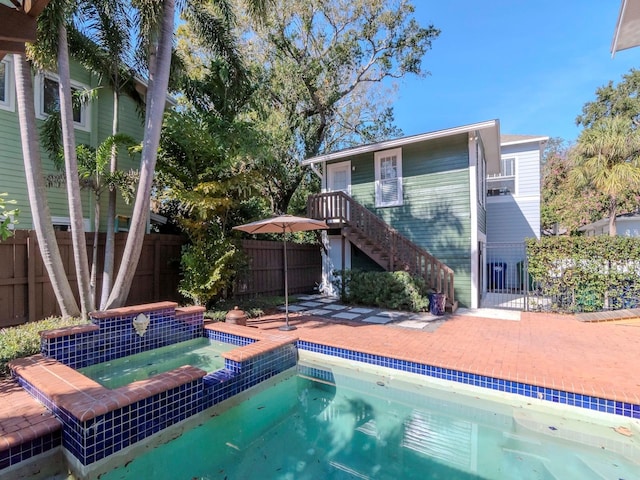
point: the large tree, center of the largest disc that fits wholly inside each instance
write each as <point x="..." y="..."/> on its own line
<point x="327" y="66"/>
<point x="614" y="100"/>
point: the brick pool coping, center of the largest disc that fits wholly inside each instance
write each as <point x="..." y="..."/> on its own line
<point x="23" y="420"/>
<point x="86" y="399"/>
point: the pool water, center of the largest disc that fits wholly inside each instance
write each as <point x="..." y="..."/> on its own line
<point x="329" y="422"/>
<point x="200" y="352"/>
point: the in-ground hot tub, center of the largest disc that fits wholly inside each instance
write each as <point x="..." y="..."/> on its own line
<point x="98" y="421"/>
<point x="202" y="353"/>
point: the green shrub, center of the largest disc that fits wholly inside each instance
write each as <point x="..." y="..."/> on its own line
<point x="394" y="290"/>
<point x="584" y="274"/>
<point x="24" y="340"/>
<point x="208" y="267"/>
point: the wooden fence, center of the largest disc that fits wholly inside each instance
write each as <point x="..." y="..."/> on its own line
<point x="265" y="274"/>
<point x="26" y="293"/>
<point x="25" y="288"/>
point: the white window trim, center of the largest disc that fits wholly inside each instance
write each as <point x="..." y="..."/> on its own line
<point x="67" y="221"/>
<point x="377" y="156"/>
<point x="85" y="125"/>
<point x="500" y="176"/>
<point x="10" y="92"/>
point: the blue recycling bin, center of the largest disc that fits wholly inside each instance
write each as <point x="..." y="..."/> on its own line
<point x="497" y="274"/>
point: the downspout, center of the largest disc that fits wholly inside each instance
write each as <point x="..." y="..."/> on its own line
<point x="473" y="214"/>
<point x="315" y="170"/>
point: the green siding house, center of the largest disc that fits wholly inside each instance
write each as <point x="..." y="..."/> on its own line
<point x="424" y="194"/>
<point x="93" y="123"/>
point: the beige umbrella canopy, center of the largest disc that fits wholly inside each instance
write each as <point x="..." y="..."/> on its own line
<point x="283" y="224"/>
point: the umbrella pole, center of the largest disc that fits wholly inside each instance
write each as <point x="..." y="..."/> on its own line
<point x="286" y="291"/>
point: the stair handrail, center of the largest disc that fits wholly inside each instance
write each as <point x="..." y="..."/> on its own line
<point x="340" y="209"/>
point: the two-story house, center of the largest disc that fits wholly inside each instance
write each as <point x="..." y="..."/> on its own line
<point x="426" y="203"/>
<point x="416" y="203"/>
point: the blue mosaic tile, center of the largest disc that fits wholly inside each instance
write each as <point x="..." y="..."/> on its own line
<point x="117" y="338"/>
<point x="518" y="388"/>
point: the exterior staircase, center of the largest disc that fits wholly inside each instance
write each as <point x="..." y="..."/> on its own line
<point x="383" y="244"/>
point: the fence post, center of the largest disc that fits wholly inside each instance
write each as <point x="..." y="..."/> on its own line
<point x="31" y="275"/>
<point x="156" y="270"/>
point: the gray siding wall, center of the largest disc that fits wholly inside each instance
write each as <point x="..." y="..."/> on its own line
<point x="436" y="209"/>
<point x="512" y="218"/>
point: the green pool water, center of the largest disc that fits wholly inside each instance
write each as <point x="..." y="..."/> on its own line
<point x="200" y="352"/>
<point x="356" y="424"/>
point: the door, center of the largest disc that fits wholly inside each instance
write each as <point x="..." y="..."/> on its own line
<point x="339" y="177"/>
<point x="338" y="180"/>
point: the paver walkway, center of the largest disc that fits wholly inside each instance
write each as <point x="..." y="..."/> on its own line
<point x="331" y="308"/>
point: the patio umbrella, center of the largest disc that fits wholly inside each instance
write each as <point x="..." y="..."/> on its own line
<point x="283" y="224"/>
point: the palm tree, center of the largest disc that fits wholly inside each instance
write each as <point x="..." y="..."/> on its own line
<point x="52" y="49"/>
<point x="160" y="42"/>
<point x="73" y="179"/>
<point x="104" y="46"/>
<point x="36" y="189"/>
<point x="159" y="68"/>
<point x="94" y="167"/>
<point x="607" y="158"/>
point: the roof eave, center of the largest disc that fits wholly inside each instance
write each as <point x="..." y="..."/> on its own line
<point x="627" y="32"/>
<point x="398" y="142"/>
<point x="529" y="140"/>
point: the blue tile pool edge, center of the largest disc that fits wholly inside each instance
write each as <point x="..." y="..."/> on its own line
<point x="508" y="386"/>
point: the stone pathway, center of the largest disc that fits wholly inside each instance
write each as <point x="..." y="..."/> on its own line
<point x="331" y="308"/>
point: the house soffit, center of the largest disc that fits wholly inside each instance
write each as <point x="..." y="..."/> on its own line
<point x="627" y="31"/>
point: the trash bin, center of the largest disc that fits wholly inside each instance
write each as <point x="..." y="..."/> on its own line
<point x="497" y="274"/>
<point x="437" y="303"/>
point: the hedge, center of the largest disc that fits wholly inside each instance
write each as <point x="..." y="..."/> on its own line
<point x="584" y="274"/>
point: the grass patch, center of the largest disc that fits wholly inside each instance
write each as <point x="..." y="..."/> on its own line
<point x="24" y="340"/>
<point x="253" y="307"/>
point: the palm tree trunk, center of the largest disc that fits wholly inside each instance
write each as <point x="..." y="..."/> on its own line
<point x="613" y="211"/>
<point x="94" y="256"/>
<point x="156" y="100"/>
<point x="73" y="180"/>
<point x="36" y="189"/>
<point x="110" y="242"/>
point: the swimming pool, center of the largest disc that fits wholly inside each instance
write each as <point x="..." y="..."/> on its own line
<point x="328" y="421"/>
<point x="199" y="352"/>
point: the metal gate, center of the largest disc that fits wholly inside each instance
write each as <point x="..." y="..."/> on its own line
<point x="507" y="277"/>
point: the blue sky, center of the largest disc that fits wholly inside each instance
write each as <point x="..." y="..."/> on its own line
<point x="531" y="64"/>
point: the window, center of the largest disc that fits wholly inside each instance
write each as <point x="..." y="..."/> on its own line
<point x="63" y="224"/>
<point x="6" y="84"/>
<point x="388" y="170"/>
<point x="123" y="223"/>
<point x="48" y="100"/>
<point x="503" y="183"/>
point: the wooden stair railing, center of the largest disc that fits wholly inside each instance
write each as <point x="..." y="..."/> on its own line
<point x="382" y="243"/>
